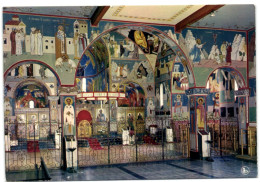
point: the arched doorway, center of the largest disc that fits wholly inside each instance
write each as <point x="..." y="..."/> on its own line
<point x="226" y="111"/>
<point x="84" y="124"/>
<point x="117" y="61"/>
<point x="31" y="116"/>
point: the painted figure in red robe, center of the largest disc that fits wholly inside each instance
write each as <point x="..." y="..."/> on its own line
<point x="13" y="42"/>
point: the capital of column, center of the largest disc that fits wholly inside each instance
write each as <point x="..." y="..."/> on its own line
<point x="242" y="92"/>
<point x="194" y="91"/>
<point x="73" y="91"/>
<point x="55" y="98"/>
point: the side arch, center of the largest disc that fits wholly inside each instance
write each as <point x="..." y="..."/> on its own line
<point x="32" y="61"/>
<point x="238" y="73"/>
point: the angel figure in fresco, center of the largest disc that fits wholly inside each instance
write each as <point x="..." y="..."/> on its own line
<point x="196" y="52"/>
<point x="200" y="112"/>
<point x="140" y="39"/>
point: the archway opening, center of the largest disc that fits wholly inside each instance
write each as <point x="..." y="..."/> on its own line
<point x="226" y="112"/>
<point x="32" y="120"/>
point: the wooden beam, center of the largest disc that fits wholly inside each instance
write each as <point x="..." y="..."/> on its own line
<point x="194" y="17"/>
<point x="98" y="14"/>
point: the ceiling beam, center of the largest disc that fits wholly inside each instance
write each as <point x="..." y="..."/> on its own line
<point x="98" y="14"/>
<point x="194" y="17"/>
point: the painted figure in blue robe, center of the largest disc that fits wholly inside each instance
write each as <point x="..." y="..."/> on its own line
<point x="196" y="52"/>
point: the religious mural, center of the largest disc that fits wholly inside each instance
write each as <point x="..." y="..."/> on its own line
<point x="135" y="96"/>
<point x="148" y="63"/>
<point x="180" y="81"/>
<point x="252" y="75"/>
<point x="31" y="96"/>
<point x="180" y="107"/>
<point x="69" y="116"/>
<point x="201" y="112"/>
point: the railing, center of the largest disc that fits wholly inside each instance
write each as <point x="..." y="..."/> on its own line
<point x="144" y="146"/>
<point x="224" y="137"/>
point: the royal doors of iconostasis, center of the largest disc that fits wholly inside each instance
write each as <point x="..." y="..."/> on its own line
<point x="31" y="117"/>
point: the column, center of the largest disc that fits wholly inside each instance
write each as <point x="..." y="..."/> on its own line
<point x="243" y="97"/>
<point x="68" y="115"/>
<point x="198" y="121"/>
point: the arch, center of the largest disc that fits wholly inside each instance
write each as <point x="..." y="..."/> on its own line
<point x="151" y="30"/>
<point x="31" y="79"/>
<point x="83" y="115"/>
<point x="29" y="95"/>
<point x="32" y="61"/>
<point x="238" y="72"/>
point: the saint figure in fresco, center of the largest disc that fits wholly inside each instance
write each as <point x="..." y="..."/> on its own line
<point x="216" y="105"/>
<point x="101" y="116"/>
<point x="228" y="57"/>
<point x="13" y="41"/>
<point x="32" y="40"/>
<point x="18" y="40"/>
<point x="39" y="43"/>
<point x="68" y="116"/>
<point x="178" y="105"/>
<point x="60" y="42"/>
<point x="223" y="50"/>
<point x="82" y="43"/>
<point x="76" y="45"/>
<point x="130" y="121"/>
<point x="200" y="111"/>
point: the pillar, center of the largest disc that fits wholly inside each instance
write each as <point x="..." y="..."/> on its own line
<point x="242" y="96"/>
<point x="198" y="118"/>
<point x="68" y="122"/>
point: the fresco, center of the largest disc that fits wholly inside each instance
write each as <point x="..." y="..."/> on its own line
<point x="131" y="70"/>
<point x="180" y="107"/>
<point x="150" y="107"/>
<point x="69" y="116"/>
<point x="100" y="53"/>
<point x="210" y="49"/>
<point x="252" y="75"/>
<point x="31" y="92"/>
<point x="135" y="96"/>
<point x="252" y="100"/>
<point x="87" y="65"/>
<point x="201" y="112"/>
<point x="134" y="51"/>
<point x="180" y="81"/>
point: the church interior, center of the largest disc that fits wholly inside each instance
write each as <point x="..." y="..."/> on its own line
<point x="95" y="86"/>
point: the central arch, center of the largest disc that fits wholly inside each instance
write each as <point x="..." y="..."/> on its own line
<point x="163" y="37"/>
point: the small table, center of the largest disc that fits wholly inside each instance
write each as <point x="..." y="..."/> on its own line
<point x="72" y="168"/>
